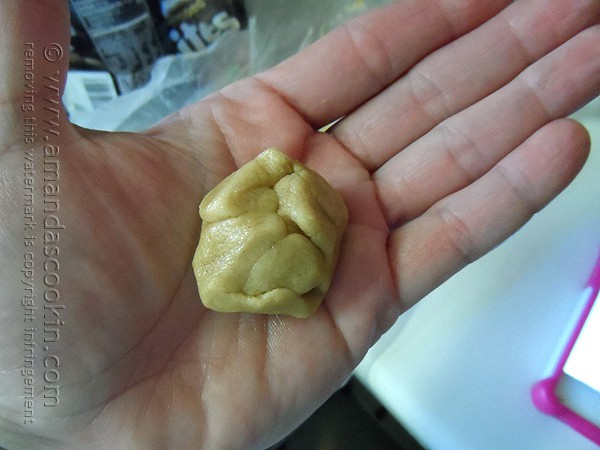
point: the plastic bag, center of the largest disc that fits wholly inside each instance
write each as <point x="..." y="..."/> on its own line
<point x="276" y="30"/>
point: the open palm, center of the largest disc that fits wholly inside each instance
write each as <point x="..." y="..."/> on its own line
<point x="451" y="138"/>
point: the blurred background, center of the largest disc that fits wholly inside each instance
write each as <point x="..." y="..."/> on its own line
<point x="135" y="61"/>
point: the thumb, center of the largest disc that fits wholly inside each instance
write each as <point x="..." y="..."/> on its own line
<point x="34" y="42"/>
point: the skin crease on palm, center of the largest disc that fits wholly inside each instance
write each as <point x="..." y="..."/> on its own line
<point x="453" y="136"/>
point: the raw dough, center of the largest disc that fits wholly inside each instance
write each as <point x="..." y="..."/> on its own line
<point x="270" y="238"/>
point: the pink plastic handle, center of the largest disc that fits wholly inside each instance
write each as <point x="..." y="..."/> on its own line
<point x="544" y="392"/>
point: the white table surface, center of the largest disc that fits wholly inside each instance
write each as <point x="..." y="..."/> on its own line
<point x="457" y="369"/>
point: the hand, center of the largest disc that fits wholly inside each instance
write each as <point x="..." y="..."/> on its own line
<point x="452" y="137"/>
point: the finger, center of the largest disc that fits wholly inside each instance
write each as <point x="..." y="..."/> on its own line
<point x="460" y="74"/>
<point x="464" y="226"/>
<point x="468" y="144"/>
<point x="34" y="42"/>
<point x="11" y="49"/>
<point x="354" y="62"/>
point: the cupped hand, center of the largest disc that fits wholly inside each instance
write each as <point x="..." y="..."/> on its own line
<point x="451" y="137"/>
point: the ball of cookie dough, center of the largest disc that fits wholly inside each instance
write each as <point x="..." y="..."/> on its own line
<point x="270" y="238"/>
